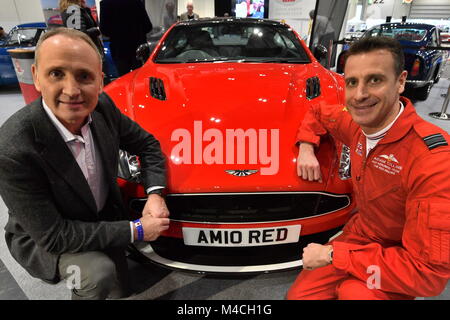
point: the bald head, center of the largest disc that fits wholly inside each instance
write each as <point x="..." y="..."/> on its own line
<point x="190" y="7"/>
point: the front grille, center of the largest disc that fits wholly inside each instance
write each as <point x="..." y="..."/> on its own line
<point x="248" y="207"/>
<point x="174" y="249"/>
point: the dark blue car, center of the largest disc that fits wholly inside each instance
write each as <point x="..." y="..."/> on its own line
<point x="21" y="36"/>
<point x="422" y="61"/>
<point x="27" y="35"/>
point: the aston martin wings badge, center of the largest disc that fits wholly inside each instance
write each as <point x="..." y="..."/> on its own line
<point x="241" y="173"/>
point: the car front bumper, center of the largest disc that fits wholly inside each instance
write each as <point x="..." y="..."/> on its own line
<point x="417" y="83"/>
<point x="316" y="216"/>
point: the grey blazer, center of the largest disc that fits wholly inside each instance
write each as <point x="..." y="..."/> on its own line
<point x="184" y="16"/>
<point x="51" y="207"/>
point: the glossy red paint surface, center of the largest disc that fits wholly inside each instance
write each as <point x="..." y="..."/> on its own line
<point x="226" y="96"/>
<point x="205" y="102"/>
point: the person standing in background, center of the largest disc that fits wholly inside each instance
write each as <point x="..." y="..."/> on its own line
<point x="76" y="15"/>
<point x="190" y="14"/>
<point x="169" y="17"/>
<point x="126" y="23"/>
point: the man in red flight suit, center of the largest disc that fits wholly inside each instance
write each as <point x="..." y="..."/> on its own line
<point x="398" y="245"/>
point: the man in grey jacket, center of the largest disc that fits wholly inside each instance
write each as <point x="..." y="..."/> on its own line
<point x="58" y="169"/>
<point x="190" y="14"/>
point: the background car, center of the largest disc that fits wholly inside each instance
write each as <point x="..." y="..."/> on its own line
<point x="225" y="98"/>
<point x="445" y="37"/>
<point x="21" y="36"/>
<point x="422" y="60"/>
<point x="27" y="35"/>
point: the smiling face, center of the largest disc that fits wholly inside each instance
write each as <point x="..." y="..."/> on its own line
<point x="373" y="89"/>
<point x="69" y="77"/>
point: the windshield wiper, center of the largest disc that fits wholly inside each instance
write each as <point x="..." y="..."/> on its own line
<point x="276" y="60"/>
<point x="223" y="59"/>
<point x="236" y="59"/>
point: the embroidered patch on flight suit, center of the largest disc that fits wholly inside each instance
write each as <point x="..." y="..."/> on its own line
<point x="387" y="163"/>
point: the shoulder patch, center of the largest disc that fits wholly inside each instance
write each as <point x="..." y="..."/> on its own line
<point x="433" y="136"/>
<point x="435" y="140"/>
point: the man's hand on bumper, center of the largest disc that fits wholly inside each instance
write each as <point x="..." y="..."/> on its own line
<point x="316" y="256"/>
<point x="156" y="207"/>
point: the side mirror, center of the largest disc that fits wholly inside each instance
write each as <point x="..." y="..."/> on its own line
<point x="320" y="52"/>
<point x="143" y="53"/>
<point x="144" y="50"/>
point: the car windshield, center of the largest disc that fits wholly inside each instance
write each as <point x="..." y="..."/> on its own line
<point x="22" y="37"/>
<point x="231" y="41"/>
<point x="400" y="33"/>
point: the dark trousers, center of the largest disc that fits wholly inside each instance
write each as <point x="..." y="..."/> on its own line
<point x="125" y="61"/>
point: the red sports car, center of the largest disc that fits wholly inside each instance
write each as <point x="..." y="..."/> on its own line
<point x="225" y="98"/>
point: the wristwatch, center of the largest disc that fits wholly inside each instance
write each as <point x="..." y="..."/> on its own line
<point x="330" y="255"/>
<point x="156" y="191"/>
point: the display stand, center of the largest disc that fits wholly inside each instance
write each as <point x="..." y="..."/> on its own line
<point x="443" y="115"/>
<point x="22" y="60"/>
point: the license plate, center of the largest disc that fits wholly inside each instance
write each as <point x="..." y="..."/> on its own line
<point x="250" y="237"/>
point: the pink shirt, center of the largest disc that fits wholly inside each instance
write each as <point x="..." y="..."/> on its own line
<point x="87" y="156"/>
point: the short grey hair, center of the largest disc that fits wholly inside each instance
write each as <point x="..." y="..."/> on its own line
<point x="70" y="33"/>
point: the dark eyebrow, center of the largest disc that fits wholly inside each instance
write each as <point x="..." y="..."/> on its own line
<point x="369" y="76"/>
<point x="83" y="70"/>
<point x="349" y="79"/>
<point x="378" y="75"/>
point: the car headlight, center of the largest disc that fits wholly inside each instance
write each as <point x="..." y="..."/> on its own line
<point x="129" y="167"/>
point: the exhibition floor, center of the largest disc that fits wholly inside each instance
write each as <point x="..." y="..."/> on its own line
<point x="153" y="282"/>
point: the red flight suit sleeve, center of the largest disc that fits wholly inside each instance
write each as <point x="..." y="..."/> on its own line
<point x="421" y="266"/>
<point x="321" y="119"/>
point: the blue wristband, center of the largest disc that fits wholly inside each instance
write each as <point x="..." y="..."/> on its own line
<point x="140" y="229"/>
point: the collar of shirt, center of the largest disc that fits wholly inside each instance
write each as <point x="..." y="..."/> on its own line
<point x="403" y="124"/>
<point x="63" y="131"/>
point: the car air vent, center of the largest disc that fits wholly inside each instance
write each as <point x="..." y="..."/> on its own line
<point x="312" y="88"/>
<point x="157" y="88"/>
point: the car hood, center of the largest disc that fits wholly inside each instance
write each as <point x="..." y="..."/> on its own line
<point x="220" y="122"/>
<point x="228" y="88"/>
